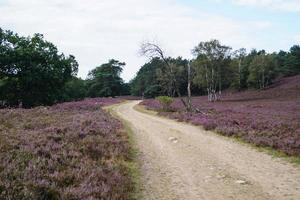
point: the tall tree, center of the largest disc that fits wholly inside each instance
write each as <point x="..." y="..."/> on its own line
<point x="292" y="63"/>
<point x="32" y="71"/>
<point x="237" y="64"/>
<point x="212" y="58"/>
<point x="153" y="78"/>
<point x="153" y="50"/>
<point x="262" y="71"/>
<point x="74" y="90"/>
<point x="105" y="80"/>
<point x="150" y="80"/>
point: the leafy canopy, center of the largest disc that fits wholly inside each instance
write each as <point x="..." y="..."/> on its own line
<point x="105" y="80"/>
<point x="32" y="71"/>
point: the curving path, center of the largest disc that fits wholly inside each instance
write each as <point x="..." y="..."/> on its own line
<point x="181" y="161"/>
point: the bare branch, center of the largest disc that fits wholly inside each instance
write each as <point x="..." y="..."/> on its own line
<point x="152" y="50"/>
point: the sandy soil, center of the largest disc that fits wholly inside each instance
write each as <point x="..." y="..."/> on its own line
<point x="181" y="161"/>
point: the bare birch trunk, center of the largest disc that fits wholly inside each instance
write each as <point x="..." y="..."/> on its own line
<point x="240" y="81"/>
<point x="208" y="84"/>
<point x="263" y="79"/>
<point x="189" y="98"/>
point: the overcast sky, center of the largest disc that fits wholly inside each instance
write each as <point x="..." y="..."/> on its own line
<point x="95" y="31"/>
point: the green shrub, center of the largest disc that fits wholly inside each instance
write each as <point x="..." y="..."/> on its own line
<point x="46" y="193"/>
<point x="166" y="102"/>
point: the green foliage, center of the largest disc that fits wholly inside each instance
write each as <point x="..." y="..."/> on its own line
<point x="152" y="91"/>
<point x="241" y="70"/>
<point x="125" y="89"/>
<point x="32" y="71"/>
<point x="146" y="78"/>
<point x="292" y="61"/>
<point x="212" y="67"/>
<point x="74" y="90"/>
<point x="261" y="71"/>
<point x="215" y="68"/>
<point x="105" y="80"/>
<point x="153" y="79"/>
<point x="46" y="193"/>
<point x="166" y="102"/>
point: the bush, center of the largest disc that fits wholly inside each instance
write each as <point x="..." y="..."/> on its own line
<point x="165" y="102"/>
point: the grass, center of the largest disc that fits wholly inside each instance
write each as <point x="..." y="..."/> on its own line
<point x="279" y="154"/>
<point x="143" y="109"/>
<point x="265" y="149"/>
<point x="133" y="166"/>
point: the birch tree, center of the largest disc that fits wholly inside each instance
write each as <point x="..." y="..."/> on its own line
<point x="211" y="58"/>
<point x="262" y="71"/>
<point x="238" y="58"/>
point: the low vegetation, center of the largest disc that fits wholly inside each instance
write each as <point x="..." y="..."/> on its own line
<point x="166" y="102"/>
<point x="77" y="151"/>
<point x="67" y="151"/>
<point x="270" y="117"/>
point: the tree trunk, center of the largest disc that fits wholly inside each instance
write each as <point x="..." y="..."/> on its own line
<point x="207" y="83"/>
<point x="173" y="80"/>
<point x="263" y="79"/>
<point x="220" y="83"/>
<point x="189" y="98"/>
<point x="240" y="81"/>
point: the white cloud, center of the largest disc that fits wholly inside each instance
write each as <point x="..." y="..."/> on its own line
<point x="95" y="31"/>
<point x="282" y="5"/>
<point x="296" y="39"/>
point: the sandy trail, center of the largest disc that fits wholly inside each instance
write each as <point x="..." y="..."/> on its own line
<point x="181" y="161"/>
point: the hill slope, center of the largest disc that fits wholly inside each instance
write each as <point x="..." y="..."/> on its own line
<point x="269" y="117"/>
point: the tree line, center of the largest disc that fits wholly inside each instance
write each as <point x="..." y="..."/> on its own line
<point x="215" y="67"/>
<point x="33" y="72"/>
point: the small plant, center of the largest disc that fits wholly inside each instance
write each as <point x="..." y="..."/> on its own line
<point x="165" y="102"/>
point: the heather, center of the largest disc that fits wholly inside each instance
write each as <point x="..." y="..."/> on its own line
<point x="68" y="151"/>
<point x="269" y="117"/>
<point x="88" y="104"/>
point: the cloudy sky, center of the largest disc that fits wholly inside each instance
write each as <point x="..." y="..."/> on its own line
<point x="98" y="30"/>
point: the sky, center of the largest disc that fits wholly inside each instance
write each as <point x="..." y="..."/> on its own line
<point x="95" y="31"/>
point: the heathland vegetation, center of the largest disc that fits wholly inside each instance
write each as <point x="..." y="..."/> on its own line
<point x="270" y="117"/>
<point x="56" y="142"/>
<point x="67" y="151"/>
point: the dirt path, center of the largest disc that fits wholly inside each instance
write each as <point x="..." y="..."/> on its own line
<point x="180" y="161"/>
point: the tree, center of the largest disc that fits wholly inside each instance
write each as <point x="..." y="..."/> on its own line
<point x="262" y="71"/>
<point x="32" y="71"/>
<point x="105" y="80"/>
<point x="237" y="64"/>
<point x="292" y="62"/>
<point x="125" y="89"/>
<point x="212" y="59"/>
<point x="74" y="90"/>
<point x="152" y="50"/>
<point x="148" y="81"/>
